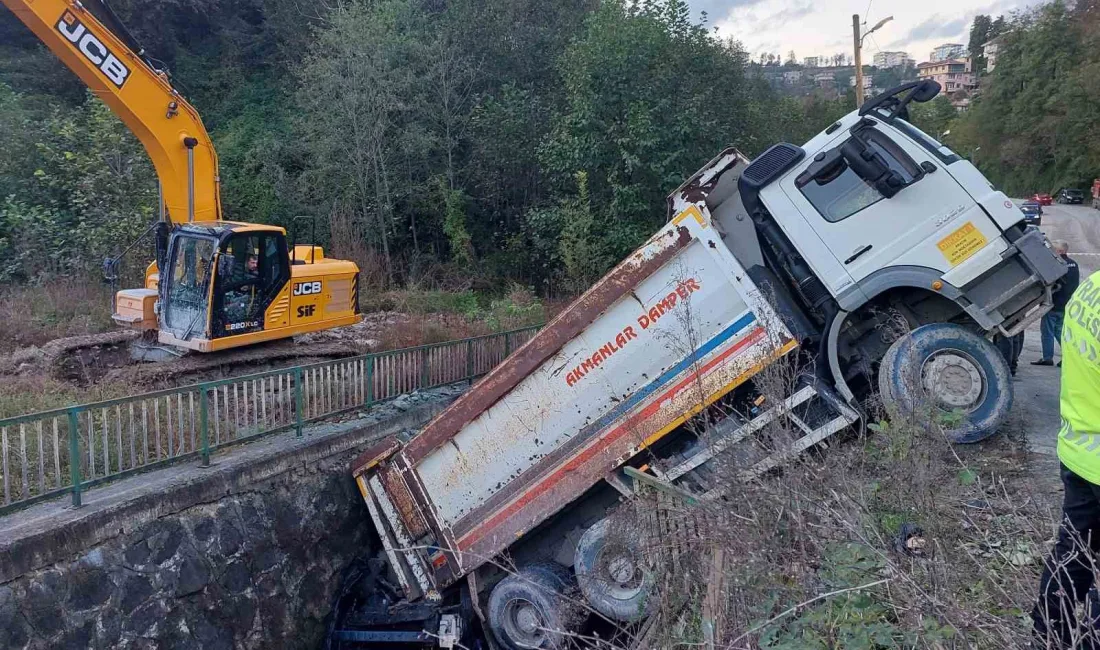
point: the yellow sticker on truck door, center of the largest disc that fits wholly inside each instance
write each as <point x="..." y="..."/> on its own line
<point x="962" y="243"/>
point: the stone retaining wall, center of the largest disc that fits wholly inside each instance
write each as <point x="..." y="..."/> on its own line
<point x="242" y="555"/>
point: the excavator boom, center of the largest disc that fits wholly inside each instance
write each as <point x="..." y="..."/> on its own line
<point x="166" y="124"/>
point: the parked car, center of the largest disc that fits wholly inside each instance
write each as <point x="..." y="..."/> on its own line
<point x="1042" y="198"/>
<point x="1033" y="213"/>
<point x="1071" y="196"/>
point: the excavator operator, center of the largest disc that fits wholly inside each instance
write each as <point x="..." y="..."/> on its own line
<point x="241" y="288"/>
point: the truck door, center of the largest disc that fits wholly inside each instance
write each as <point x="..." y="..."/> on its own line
<point x="900" y="219"/>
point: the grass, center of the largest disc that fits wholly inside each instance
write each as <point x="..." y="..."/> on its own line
<point x="434" y="315"/>
<point x="33" y="314"/>
<point x="517" y="307"/>
<point x="27" y="394"/>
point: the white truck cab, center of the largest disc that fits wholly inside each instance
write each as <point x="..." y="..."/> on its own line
<point x="873" y="222"/>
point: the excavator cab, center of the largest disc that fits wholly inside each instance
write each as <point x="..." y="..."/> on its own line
<point x="222" y="277"/>
<point x="227" y="284"/>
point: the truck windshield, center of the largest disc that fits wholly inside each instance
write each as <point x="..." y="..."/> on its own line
<point x="939" y="150"/>
<point x="188" y="282"/>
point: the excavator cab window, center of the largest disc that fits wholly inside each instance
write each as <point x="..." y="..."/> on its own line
<point x="254" y="267"/>
<point x="188" y="284"/>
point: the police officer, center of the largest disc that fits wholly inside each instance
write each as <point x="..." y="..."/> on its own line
<point x="1068" y="575"/>
<point x="1050" y="329"/>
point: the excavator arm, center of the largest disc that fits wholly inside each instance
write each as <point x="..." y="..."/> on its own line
<point x="169" y="128"/>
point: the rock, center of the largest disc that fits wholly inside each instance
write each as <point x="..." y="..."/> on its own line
<point x="166" y="539"/>
<point x="137" y="554"/>
<point x="402" y="403"/>
<point x="78" y="637"/>
<point x="143" y="620"/>
<point x="236" y="577"/>
<point x="193" y="576"/>
<point x="13" y="630"/>
<point x="93" y="558"/>
<point x="135" y="590"/>
<point x="42" y="609"/>
<point x="229" y="539"/>
<point x="89" y="587"/>
<point x="204" y="530"/>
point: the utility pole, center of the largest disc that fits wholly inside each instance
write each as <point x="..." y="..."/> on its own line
<point x="857" y="42"/>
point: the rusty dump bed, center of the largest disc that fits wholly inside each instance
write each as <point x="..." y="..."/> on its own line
<point x="672" y="328"/>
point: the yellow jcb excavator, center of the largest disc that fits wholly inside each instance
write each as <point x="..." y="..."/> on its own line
<point x="215" y="284"/>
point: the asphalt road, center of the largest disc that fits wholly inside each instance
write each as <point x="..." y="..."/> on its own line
<point x="1080" y="226"/>
<point x="1035" y="409"/>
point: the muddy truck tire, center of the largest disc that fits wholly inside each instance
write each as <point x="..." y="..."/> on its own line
<point x="950" y="369"/>
<point x="611" y="573"/>
<point x="535" y="608"/>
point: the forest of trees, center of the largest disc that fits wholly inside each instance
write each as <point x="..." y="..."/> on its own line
<point x="1035" y="126"/>
<point x="488" y="141"/>
<point x="481" y="142"/>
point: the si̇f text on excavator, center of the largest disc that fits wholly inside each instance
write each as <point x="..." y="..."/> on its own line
<point x="215" y="284"/>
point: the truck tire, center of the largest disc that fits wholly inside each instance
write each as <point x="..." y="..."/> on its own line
<point x="533" y="608"/>
<point x="957" y="369"/>
<point x="611" y="574"/>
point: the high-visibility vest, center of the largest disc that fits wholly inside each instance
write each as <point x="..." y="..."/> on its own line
<point x="1079" y="438"/>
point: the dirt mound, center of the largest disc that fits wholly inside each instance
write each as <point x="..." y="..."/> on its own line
<point x="68" y="354"/>
<point x="109" y="357"/>
<point x="114" y="358"/>
<point x="365" y="335"/>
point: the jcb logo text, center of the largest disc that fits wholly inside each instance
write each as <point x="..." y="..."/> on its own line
<point x="307" y="288"/>
<point x="93" y="49"/>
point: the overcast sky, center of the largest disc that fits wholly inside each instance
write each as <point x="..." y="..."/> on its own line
<point x="824" y="27"/>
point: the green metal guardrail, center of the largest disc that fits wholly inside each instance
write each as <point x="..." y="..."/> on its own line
<point x="70" y="450"/>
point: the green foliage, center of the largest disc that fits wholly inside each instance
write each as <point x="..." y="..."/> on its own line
<point x="454" y="223"/>
<point x="858" y="614"/>
<point x="583" y="251"/>
<point x="430" y="139"/>
<point x="89" y="192"/>
<point x="516" y="308"/>
<point x="982" y="30"/>
<point x="1034" y="127"/>
<point x="650" y="96"/>
<point x="934" y="117"/>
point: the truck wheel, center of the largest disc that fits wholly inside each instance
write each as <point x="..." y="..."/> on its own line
<point x="954" y="368"/>
<point x="611" y="575"/>
<point x="532" y="608"/>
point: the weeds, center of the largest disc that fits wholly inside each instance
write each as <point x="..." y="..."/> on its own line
<point x="33" y="314"/>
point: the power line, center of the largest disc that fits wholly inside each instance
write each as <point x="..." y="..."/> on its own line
<point x="878" y="50"/>
<point x="868" y="12"/>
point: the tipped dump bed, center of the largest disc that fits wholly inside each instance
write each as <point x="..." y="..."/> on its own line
<point x="674" y="327"/>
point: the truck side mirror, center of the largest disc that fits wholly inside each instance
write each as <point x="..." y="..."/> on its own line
<point x="872" y="167"/>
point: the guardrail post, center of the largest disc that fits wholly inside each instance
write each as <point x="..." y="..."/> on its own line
<point x="423" y="368"/>
<point x="507" y="344"/>
<point x="298" y="401"/>
<point x="204" y="433"/>
<point x="470" y="361"/>
<point x="74" y="455"/>
<point x="370" y="381"/>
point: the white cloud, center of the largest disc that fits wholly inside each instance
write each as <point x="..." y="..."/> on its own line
<point x="824" y="27"/>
